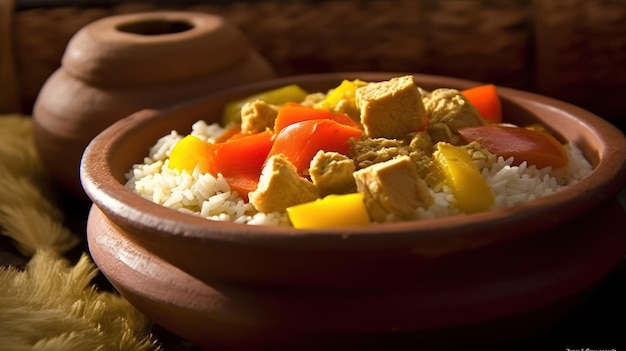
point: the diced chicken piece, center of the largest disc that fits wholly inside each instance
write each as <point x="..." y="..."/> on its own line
<point x="443" y="132"/>
<point x="426" y="167"/>
<point x="422" y="141"/>
<point x="258" y="116"/>
<point x="345" y="106"/>
<point x="421" y="153"/>
<point x="280" y="186"/>
<point x="391" y="109"/>
<point x="392" y="187"/>
<point x="332" y="172"/>
<point x="368" y="151"/>
<point x="478" y="152"/>
<point x="449" y="111"/>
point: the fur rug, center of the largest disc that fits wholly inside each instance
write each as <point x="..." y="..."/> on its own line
<point x="50" y="304"/>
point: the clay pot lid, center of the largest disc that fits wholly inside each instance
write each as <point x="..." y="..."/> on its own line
<point x="130" y="49"/>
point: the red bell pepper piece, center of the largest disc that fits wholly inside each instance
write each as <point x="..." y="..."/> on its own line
<point x="300" y="141"/>
<point x="533" y="146"/>
<point x="292" y="113"/>
<point x="240" y="160"/>
<point x="486" y="100"/>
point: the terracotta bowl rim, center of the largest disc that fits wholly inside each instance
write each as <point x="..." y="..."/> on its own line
<point x="124" y="206"/>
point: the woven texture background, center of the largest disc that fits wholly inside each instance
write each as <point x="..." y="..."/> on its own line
<point x="571" y="49"/>
<point x="443" y="37"/>
<point x="581" y="53"/>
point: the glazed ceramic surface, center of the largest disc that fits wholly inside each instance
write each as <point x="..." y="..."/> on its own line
<point x="216" y="283"/>
<point x="121" y="64"/>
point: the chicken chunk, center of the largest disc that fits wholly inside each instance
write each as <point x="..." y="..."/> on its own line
<point x="426" y="167"/>
<point x="347" y="107"/>
<point x="478" y="152"/>
<point x="368" y="151"/>
<point x="332" y="173"/>
<point x="258" y="116"/>
<point x="449" y="111"/>
<point x="422" y="141"/>
<point x="392" y="188"/>
<point x="280" y="186"/>
<point x="391" y="109"/>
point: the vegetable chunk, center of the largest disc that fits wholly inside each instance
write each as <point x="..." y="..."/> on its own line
<point x="191" y="152"/>
<point x="464" y="179"/>
<point x="343" y="98"/>
<point x="331" y="211"/>
<point x="240" y="160"/>
<point x="300" y="141"/>
<point x="241" y="155"/>
<point x="533" y="146"/>
<point x="292" y="113"/>
<point x="278" y="96"/>
<point x="486" y="100"/>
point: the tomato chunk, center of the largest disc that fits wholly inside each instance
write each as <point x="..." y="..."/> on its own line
<point x="243" y="183"/>
<point x="531" y="145"/>
<point x="240" y="160"/>
<point x="244" y="154"/>
<point x="292" y="113"/>
<point x="300" y="141"/>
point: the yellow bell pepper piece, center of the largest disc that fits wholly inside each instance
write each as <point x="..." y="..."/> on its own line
<point x="190" y="152"/>
<point x="278" y="96"/>
<point x="345" y="91"/>
<point x="464" y="179"/>
<point x="331" y="211"/>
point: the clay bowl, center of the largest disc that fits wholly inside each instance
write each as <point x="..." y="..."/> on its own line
<point x="223" y="284"/>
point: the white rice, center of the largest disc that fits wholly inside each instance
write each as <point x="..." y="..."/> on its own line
<point x="210" y="197"/>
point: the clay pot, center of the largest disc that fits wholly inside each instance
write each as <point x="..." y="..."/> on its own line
<point x="121" y="64"/>
<point x="227" y="285"/>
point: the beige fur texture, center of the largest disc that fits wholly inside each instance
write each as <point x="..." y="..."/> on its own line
<point x="50" y="304"/>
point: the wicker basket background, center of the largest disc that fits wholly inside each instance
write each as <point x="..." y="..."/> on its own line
<point x="571" y="49"/>
<point x="581" y="54"/>
<point x="440" y="37"/>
